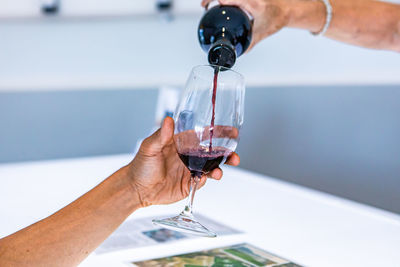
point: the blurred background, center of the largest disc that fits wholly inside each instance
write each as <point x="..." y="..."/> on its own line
<point x="82" y="78"/>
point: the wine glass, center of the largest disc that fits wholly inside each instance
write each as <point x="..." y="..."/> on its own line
<point x="208" y="118"/>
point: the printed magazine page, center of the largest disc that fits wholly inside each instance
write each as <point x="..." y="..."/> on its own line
<point x="242" y="255"/>
<point x="142" y="232"/>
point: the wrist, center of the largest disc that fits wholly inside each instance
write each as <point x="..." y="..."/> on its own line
<point x="144" y="193"/>
<point x="132" y="192"/>
<point x="307" y="15"/>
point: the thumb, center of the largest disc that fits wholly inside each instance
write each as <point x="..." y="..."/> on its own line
<point x="162" y="137"/>
<point x="167" y="131"/>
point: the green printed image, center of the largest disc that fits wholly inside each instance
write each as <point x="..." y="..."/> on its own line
<point x="247" y="255"/>
<point x="291" y="264"/>
<point x="242" y="255"/>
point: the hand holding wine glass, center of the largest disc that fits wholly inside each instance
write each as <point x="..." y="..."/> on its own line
<point x="157" y="173"/>
<point x="207" y="123"/>
<point x="155" y="176"/>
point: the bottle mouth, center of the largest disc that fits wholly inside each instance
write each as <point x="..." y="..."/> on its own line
<point x="198" y="70"/>
<point x="222" y="55"/>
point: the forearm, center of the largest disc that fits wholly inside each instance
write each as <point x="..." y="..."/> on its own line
<point x="367" y="23"/>
<point x="68" y="236"/>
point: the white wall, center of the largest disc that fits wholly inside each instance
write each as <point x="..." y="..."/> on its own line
<point x="75" y="8"/>
<point x="145" y="52"/>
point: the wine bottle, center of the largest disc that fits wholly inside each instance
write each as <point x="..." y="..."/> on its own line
<point x="225" y="33"/>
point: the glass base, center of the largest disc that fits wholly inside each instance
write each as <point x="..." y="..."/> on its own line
<point x="186" y="224"/>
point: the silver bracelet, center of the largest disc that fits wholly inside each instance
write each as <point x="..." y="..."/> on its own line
<point x="328" y="18"/>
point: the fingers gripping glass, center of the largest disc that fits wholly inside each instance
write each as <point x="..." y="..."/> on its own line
<point x="207" y="123"/>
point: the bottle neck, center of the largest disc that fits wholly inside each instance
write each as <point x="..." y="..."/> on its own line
<point x="222" y="53"/>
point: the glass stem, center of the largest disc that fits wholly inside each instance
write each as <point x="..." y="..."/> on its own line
<point x="193" y="187"/>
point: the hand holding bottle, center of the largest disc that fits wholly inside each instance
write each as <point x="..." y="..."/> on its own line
<point x="366" y="23"/>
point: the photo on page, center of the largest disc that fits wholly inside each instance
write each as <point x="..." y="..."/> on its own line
<point x="241" y="255"/>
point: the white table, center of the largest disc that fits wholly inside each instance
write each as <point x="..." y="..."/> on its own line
<point x="306" y="226"/>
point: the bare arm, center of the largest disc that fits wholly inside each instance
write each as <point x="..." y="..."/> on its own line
<point x="155" y="176"/>
<point x="367" y="23"/>
<point x="68" y="236"/>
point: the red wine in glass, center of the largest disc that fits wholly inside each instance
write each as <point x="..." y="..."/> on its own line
<point x="201" y="162"/>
